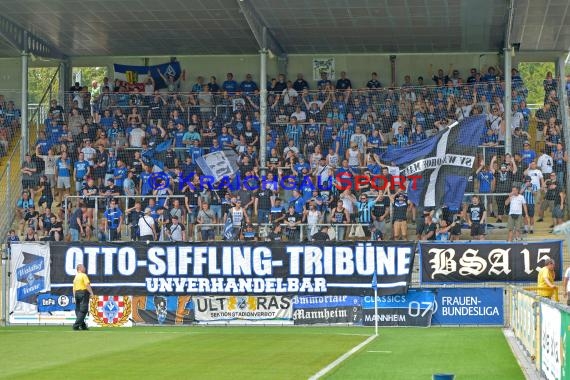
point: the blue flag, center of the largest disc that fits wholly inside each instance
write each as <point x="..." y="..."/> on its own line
<point x="374" y="281"/>
<point x="444" y="162"/>
<point x="152" y="155"/>
<point x="228" y="229"/>
<point x="137" y="74"/>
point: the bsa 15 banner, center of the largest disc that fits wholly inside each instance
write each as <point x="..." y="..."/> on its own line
<point x="228" y="269"/>
<point x="487" y="261"/>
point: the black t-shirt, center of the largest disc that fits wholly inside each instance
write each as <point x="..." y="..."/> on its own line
<point x="504" y="181"/>
<point x="292" y="218"/>
<point x="91" y="190"/>
<point x="192" y="196"/>
<point x="470" y="187"/>
<point x="77" y="214"/>
<point x="380" y="207"/>
<point x="476" y="212"/>
<point x="430" y="228"/>
<point x="321" y="236"/>
<point x="264" y="199"/>
<point x="400" y="210"/>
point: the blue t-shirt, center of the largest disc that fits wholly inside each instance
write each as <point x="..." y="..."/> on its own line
<point x="527" y="156"/>
<point x="63" y="167"/>
<point x="485" y="180"/>
<point x="120" y="174"/>
<point x="81" y="168"/>
<point x="113" y="216"/>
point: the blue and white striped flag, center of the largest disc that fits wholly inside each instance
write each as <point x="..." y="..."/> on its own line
<point x="443" y="161"/>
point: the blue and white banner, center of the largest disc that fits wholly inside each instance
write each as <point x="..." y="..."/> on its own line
<point x="223" y="268"/>
<point x="443" y="161"/>
<point x="414" y="308"/>
<point x="468" y="306"/>
<point x="133" y="75"/>
<point x="31" y="271"/>
<point x="218" y="166"/>
<point x="49" y="303"/>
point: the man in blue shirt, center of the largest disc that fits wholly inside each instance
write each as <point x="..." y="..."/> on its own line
<point x="528" y="155"/>
<point x="81" y="171"/>
<point x="63" y="175"/>
<point x="297" y="201"/>
<point x="230" y="85"/>
<point x="486" y="185"/>
<point x="113" y="221"/>
<point x="248" y="86"/>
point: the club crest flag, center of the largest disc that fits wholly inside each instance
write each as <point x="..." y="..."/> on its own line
<point x="110" y="311"/>
<point x="444" y="162"/>
<point x="134" y="76"/>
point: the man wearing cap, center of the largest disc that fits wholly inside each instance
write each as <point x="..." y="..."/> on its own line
<point x="147" y="228"/>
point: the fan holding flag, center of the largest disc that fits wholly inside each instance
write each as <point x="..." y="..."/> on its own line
<point x="444" y="162"/>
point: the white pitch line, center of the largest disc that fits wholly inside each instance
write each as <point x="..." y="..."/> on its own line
<point x="349" y="334"/>
<point x="345" y="356"/>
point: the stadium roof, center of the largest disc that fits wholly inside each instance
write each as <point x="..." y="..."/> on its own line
<point x="194" y="27"/>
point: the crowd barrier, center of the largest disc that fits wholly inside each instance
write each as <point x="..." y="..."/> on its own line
<point x="541" y="328"/>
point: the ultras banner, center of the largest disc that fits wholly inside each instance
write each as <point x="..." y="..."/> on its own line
<point x="243" y="309"/>
<point x="229" y="269"/>
<point x="487" y="261"/>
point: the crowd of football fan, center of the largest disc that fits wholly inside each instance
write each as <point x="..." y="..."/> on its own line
<point x="94" y="147"/>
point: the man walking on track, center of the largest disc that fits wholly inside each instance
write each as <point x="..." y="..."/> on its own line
<point x="81" y="292"/>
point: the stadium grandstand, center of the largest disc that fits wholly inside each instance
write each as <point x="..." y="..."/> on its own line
<point x="243" y="121"/>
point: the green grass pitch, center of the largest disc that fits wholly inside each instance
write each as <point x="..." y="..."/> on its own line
<point x="252" y="353"/>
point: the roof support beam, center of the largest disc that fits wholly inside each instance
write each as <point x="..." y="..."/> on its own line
<point x="24" y="41"/>
<point x="256" y="25"/>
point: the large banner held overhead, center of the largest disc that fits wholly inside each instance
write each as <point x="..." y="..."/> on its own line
<point x="228" y="269"/>
<point x="487" y="261"/>
<point x="443" y="161"/>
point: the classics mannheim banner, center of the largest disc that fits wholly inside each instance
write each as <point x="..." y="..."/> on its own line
<point x="228" y="269"/>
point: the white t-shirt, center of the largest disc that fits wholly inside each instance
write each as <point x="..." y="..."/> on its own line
<point x="535" y="177"/>
<point x="544" y="163"/>
<point x="567" y="275"/>
<point x="516" y="205"/>
<point x="136" y="137"/>
<point x="145" y="223"/>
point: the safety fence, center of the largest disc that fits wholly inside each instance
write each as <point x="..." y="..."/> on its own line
<point x="541" y="328"/>
<point x="197" y="230"/>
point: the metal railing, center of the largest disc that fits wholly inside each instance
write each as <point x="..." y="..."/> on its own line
<point x="101" y="208"/>
<point x="10" y="188"/>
